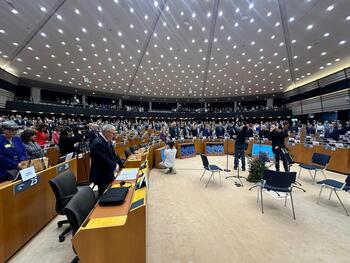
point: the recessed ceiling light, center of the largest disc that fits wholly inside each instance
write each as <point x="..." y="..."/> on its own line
<point x="330" y="8"/>
<point x="193" y="15"/>
<point x="14" y="11"/>
<point x="337" y="60"/>
<point x="63" y="43"/>
<point x="99" y="8"/>
<point x="146" y="17"/>
<point x="104" y="39"/>
<point x="309" y="27"/>
<point x="347" y="18"/>
<point x="220" y="13"/>
<point x="326" y="34"/>
<point x="2" y="31"/>
<point x="259" y="30"/>
<point x="43" y="34"/>
<point x="119" y="33"/>
<point x="308" y="62"/>
<point x="236" y="24"/>
<point x="208" y="14"/>
<point x="155" y="3"/>
<point x="77" y="11"/>
<point x="59" y="17"/>
<point x="309" y="47"/>
<point x="273" y="37"/>
<point x="323" y="53"/>
<point x="291" y="19"/>
<point x="342" y="42"/>
<point x="294" y="41"/>
<point x="251" y="5"/>
<point x="15" y="43"/>
<point x="277" y="24"/>
<point x="100" y="24"/>
<point x="43" y="9"/>
<point x="268" y="14"/>
<point x="131" y="10"/>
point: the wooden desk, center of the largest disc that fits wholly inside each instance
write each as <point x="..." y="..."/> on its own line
<point x="158" y="156"/>
<point x="23" y="214"/>
<point x="179" y="145"/>
<point x="53" y="154"/>
<point x="83" y="170"/>
<point x="115" y="233"/>
<point x="213" y="143"/>
<point x="339" y="162"/>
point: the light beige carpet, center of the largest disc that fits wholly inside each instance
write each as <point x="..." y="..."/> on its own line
<point x="188" y="223"/>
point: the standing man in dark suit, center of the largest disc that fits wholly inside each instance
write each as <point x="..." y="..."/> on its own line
<point x="103" y="159"/>
<point x="277" y="136"/>
<point x="173" y="130"/>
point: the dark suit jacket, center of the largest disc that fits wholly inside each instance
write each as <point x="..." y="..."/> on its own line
<point x="10" y="155"/>
<point x="103" y="162"/>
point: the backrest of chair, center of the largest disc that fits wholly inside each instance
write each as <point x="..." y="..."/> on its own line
<point x="79" y="207"/>
<point x="132" y="150"/>
<point x="127" y="152"/>
<point x="279" y="179"/>
<point x="321" y="158"/>
<point x="64" y="186"/>
<point x="205" y="161"/>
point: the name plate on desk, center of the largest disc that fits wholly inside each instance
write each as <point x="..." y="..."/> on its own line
<point x="63" y="167"/>
<point x="308" y="146"/>
<point x="17" y="188"/>
<point x="331" y="148"/>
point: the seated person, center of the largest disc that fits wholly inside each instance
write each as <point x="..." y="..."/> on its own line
<point x="169" y="162"/>
<point x="12" y="151"/>
<point x="33" y="149"/>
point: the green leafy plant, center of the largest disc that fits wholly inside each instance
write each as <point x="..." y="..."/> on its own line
<point x="256" y="170"/>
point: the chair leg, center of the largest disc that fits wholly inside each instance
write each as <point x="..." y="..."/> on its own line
<point x="313" y="181"/>
<point x="319" y="195"/>
<point x="262" y="202"/>
<point x="202" y="175"/>
<point x="311" y="175"/>
<point x="212" y="174"/>
<point x="285" y="201"/>
<point x="341" y="202"/>
<point x="330" y="194"/>
<point x="291" y="200"/>
<point x="62" y="237"/>
<point x="220" y="178"/>
<point x="324" y="174"/>
<point x="75" y="260"/>
<point x="299" y="172"/>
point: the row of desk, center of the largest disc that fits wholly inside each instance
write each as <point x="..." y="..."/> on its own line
<point x="339" y="162"/>
<point x="26" y="209"/>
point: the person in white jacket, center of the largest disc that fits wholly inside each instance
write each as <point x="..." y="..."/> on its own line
<point x="169" y="161"/>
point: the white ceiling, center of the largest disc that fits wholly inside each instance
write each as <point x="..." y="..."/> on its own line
<point x="140" y="48"/>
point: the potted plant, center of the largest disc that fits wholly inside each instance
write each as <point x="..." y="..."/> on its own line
<point x="256" y="170"/>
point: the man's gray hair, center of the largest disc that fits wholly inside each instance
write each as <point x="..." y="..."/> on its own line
<point x="107" y="127"/>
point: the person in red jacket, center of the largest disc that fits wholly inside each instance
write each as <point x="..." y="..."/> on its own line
<point x="56" y="135"/>
<point x="41" y="134"/>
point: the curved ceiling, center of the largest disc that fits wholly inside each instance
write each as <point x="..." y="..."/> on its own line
<point x="175" y="48"/>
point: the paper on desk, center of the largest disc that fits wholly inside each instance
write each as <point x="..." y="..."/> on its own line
<point x="127" y="174"/>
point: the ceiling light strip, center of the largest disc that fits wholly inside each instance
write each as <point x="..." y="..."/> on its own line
<point x="284" y="20"/>
<point x="34" y="32"/>
<point x="210" y="45"/>
<point x="145" y="46"/>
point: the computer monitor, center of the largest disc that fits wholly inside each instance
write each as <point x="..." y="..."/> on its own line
<point x="262" y="148"/>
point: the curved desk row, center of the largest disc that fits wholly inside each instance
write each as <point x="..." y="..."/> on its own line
<point x="26" y="209"/>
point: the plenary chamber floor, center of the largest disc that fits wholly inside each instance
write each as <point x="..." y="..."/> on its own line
<point x="223" y="223"/>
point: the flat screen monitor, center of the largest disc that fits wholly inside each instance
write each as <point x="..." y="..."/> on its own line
<point x="257" y="149"/>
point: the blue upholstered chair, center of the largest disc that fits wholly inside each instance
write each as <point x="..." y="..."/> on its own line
<point x="278" y="182"/>
<point x="318" y="164"/>
<point x="209" y="167"/>
<point x="335" y="186"/>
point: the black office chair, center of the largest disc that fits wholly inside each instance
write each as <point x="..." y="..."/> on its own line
<point x="209" y="167"/>
<point x="78" y="208"/>
<point x="127" y="152"/>
<point x="64" y="186"/>
<point x="278" y="182"/>
<point x="318" y="164"/>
